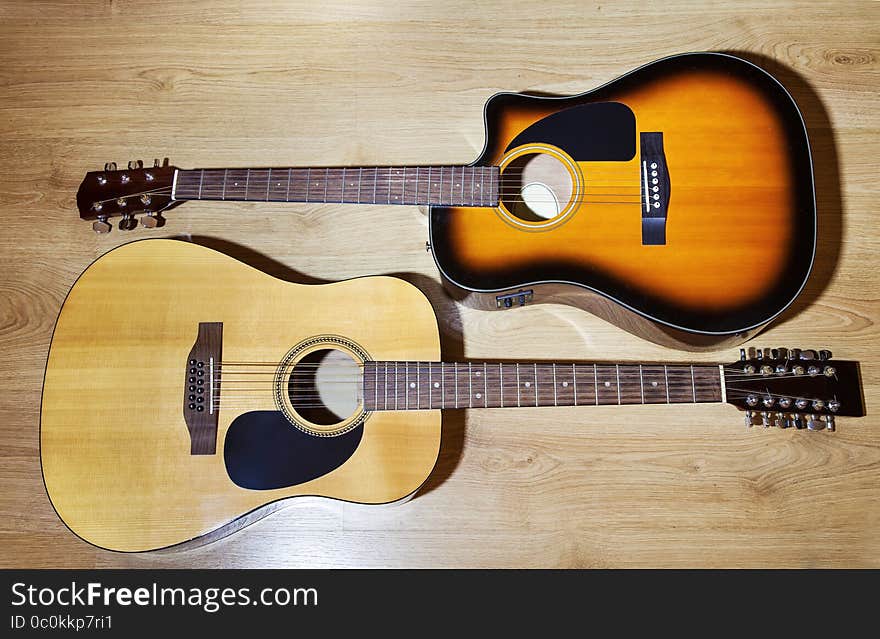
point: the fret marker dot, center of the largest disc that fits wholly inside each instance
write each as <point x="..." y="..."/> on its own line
<point x="436" y="384"/>
<point x="607" y="384"/>
<point x="477" y="373"/>
<point x="412" y="384"/>
<point x="235" y="183"/>
<point x="654" y="384"/>
<point x="478" y="395"/>
<point x="565" y="384"/>
<point x="528" y="384"/>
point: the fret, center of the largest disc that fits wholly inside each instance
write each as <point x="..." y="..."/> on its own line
<point x="462" y="384"/>
<point x="563" y="378"/>
<point x="666" y="378"/>
<point x="418" y="387"/>
<point x="630" y="384"/>
<point x="455" y="374"/>
<point x="518" y="393"/>
<point x="342" y="190"/>
<point x="485" y="386"/>
<point x="545" y="385"/>
<point x="300" y="181"/>
<point x="247" y="181"/>
<point x="617" y="373"/>
<point x="427" y="384"/>
<point x="326" y="171"/>
<point x="257" y="184"/>
<point x="388" y="199"/>
<point x="681" y="388"/>
<point x="606" y="385"/>
<point x="418" y="177"/>
<point x="451" y="187"/>
<point x="385" y="389"/>
<point x="287" y="193"/>
<point x="435" y="390"/>
<point x="406" y="385"/>
<point x="398" y="199"/>
<point x="376" y="377"/>
<point x="510" y="386"/>
<point x="268" y="183"/>
<point x="277" y="190"/>
<point x="470" y="387"/>
<point x="641" y="384"/>
<point x="493" y="385"/>
<point x="223" y="193"/>
<point x="467" y="187"/>
<point x="693" y="384"/>
<point x="654" y="383"/>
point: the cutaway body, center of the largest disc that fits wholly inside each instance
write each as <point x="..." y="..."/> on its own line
<point x="683" y="195"/>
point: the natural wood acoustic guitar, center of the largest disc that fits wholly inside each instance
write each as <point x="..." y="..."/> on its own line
<point x="187" y="394"/>
<point x="676" y="201"/>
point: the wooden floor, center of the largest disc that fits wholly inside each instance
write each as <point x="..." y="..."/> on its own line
<point x="359" y="82"/>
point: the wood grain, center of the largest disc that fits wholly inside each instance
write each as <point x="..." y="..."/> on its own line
<point x="280" y="83"/>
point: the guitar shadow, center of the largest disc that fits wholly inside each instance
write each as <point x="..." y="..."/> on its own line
<point x="448" y="320"/>
<point x="826" y="176"/>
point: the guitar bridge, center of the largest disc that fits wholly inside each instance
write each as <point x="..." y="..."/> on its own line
<point x="201" y="389"/>
<point x="655" y="189"/>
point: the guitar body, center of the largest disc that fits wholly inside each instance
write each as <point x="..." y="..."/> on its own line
<point x="724" y="247"/>
<point x="120" y="466"/>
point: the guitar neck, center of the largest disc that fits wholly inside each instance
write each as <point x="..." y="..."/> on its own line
<point x="401" y="385"/>
<point x="419" y="185"/>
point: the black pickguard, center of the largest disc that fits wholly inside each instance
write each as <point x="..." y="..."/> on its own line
<point x="264" y="451"/>
<point x="598" y="132"/>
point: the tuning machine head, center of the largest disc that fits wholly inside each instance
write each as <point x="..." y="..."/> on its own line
<point x="127" y="223"/>
<point x="101" y="225"/>
<point x="152" y="220"/>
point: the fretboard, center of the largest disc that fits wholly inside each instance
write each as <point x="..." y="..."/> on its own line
<point x="419" y="185"/>
<point x="426" y="385"/>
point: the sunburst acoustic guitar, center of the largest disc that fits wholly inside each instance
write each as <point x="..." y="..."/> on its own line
<point x="676" y="201"/>
<point x="195" y="398"/>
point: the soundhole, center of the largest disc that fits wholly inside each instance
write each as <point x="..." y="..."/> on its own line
<point x="536" y="187"/>
<point x="324" y="387"/>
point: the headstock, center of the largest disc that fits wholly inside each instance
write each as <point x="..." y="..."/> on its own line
<point x="794" y="387"/>
<point x="125" y="193"/>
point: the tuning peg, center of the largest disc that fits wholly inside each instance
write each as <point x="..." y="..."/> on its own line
<point x="774" y="353"/>
<point x="165" y="162"/>
<point x="829" y="422"/>
<point x="781" y="421"/>
<point x="759" y="354"/>
<point x="110" y="166"/>
<point x="794" y="353"/>
<point x="765" y="419"/>
<point x="101" y="225"/>
<point x="135" y="164"/>
<point x="814" y="423"/>
<point x="798" y="421"/>
<point x="808" y="354"/>
<point x="156" y="163"/>
<point x="152" y="220"/>
<point x="825" y="355"/>
<point x="783" y="353"/>
<point x="742" y="354"/>
<point x="127" y="223"/>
